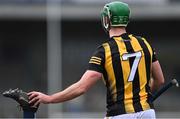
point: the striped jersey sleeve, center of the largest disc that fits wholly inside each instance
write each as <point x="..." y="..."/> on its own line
<point x="154" y="57"/>
<point x="96" y="62"/>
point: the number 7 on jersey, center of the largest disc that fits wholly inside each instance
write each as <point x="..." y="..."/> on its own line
<point x="137" y="56"/>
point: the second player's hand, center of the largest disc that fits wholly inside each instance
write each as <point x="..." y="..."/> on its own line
<point x="36" y="98"/>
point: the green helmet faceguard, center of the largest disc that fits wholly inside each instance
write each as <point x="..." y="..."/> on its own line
<point x="115" y="14"/>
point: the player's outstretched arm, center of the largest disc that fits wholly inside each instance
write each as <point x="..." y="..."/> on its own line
<point x="87" y="80"/>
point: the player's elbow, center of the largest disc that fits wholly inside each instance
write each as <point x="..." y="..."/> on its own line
<point x="82" y="90"/>
<point x="82" y="87"/>
<point x="161" y="82"/>
<point x="88" y="80"/>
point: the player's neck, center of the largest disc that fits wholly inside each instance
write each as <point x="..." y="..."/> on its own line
<point x="117" y="31"/>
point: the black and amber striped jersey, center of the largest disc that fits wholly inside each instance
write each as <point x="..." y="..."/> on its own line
<point x="125" y="62"/>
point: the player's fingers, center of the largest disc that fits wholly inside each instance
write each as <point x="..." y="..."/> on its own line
<point x="33" y="100"/>
<point x="32" y="92"/>
<point x="37" y="103"/>
<point x="33" y="95"/>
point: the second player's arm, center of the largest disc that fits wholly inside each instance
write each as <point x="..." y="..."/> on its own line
<point x="158" y="77"/>
<point x="87" y="80"/>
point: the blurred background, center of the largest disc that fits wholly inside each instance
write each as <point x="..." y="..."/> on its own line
<point x="45" y="45"/>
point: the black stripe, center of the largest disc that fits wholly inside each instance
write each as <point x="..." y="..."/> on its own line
<point x="115" y="54"/>
<point x="109" y="97"/>
<point x="105" y="75"/>
<point x="108" y="94"/>
<point x="147" y="56"/>
<point x="136" y="85"/>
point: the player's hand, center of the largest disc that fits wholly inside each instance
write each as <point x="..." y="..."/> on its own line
<point x="36" y="98"/>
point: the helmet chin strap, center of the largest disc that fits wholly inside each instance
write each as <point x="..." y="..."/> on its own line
<point x="106" y="19"/>
<point x="105" y="24"/>
<point x="106" y="29"/>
